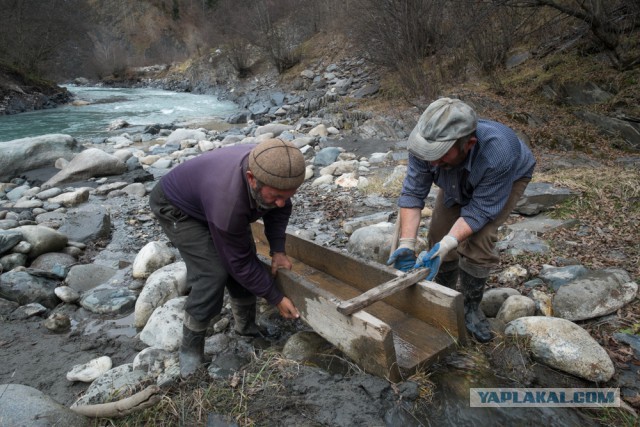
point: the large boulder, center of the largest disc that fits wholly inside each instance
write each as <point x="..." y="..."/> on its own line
<point x="90" y="163"/>
<point x="21" y="155"/>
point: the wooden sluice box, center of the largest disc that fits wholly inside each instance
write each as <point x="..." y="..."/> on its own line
<point x="391" y="338"/>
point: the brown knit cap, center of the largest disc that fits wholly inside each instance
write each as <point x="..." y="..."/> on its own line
<point x="278" y="164"/>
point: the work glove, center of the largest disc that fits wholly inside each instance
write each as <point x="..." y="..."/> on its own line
<point x="404" y="257"/>
<point x="433" y="258"/>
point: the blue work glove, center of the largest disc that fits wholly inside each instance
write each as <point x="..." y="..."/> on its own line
<point x="404" y="257"/>
<point x="433" y="258"/>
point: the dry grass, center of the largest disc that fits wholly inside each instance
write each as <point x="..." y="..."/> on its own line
<point x="190" y="402"/>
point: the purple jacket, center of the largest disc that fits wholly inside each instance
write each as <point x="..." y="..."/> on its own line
<point x="213" y="188"/>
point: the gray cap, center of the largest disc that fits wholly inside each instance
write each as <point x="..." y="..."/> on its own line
<point x="442" y="123"/>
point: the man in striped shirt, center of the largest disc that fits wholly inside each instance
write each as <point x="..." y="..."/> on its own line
<point x="482" y="170"/>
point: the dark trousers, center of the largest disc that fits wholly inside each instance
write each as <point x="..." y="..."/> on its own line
<point x="206" y="273"/>
<point x="478" y="253"/>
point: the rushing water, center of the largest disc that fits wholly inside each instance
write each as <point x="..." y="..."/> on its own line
<point x="139" y="107"/>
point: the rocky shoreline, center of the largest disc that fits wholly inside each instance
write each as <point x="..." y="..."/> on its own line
<point x="81" y="254"/>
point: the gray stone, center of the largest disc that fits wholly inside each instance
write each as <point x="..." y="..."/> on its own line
<point x="92" y="162"/>
<point x="372" y="242"/>
<point x="541" y="196"/>
<point x="564" y="345"/>
<point x="42" y="239"/>
<point x="560" y="276"/>
<point x="24" y="288"/>
<point x="108" y="300"/>
<point x="492" y="300"/>
<point x="23" y="406"/>
<point x="595" y="294"/>
<point x="326" y="156"/>
<point x="8" y="239"/>
<point x="26" y="154"/>
<point x="87" y="223"/>
<point x="84" y="277"/>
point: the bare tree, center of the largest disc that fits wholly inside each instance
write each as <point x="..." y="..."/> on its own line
<point x="609" y="22"/>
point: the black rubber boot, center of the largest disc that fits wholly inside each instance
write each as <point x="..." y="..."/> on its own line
<point x="244" y="314"/>
<point x="474" y="319"/>
<point x="191" y="351"/>
<point x="448" y="274"/>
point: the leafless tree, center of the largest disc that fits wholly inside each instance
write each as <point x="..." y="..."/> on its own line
<point x="609" y="22"/>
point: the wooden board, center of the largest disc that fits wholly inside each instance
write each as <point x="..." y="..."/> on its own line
<point x="409" y="329"/>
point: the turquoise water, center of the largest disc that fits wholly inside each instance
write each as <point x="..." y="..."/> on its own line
<point x="139" y="107"/>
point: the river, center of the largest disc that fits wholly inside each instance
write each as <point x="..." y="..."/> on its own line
<point x="138" y="107"/>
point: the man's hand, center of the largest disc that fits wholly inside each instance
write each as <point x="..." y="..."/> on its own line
<point x="287" y="309"/>
<point x="433" y="258"/>
<point x="279" y="260"/>
<point x="402" y="259"/>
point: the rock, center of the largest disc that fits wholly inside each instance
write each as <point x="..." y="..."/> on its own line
<point x="155" y="360"/>
<point x="355" y="223"/>
<point x="181" y="134"/>
<point x="164" y="327"/>
<point x="28" y="310"/>
<point x="54" y="262"/>
<point x="541" y="224"/>
<point x="274" y="128"/>
<point x="161" y="286"/>
<point x="91" y="370"/>
<point x="42" y="239"/>
<point x="57" y="322"/>
<point x="92" y="162"/>
<point x="23" y="406"/>
<point x="152" y="256"/>
<point x="492" y="300"/>
<point x="512" y="275"/>
<point x="541" y="196"/>
<point x="516" y="306"/>
<point x="84" y="277"/>
<point x="556" y="277"/>
<point x="520" y="241"/>
<point x="67" y="294"/>
<point x="21" y="155"/>
<point x="115" y="384"/>
<point x="595" y="294"/>
<point x="24" y="288"/>
<point x="372" y="242"/>
<point x="304" y="345"/>
<point x="86" y="223"/>
<point x="8" y="239"/>
<point x="107" y="299"/>
<point x="326" y="156"/>
<point x="544" y="304"/>
<point x="564" y="345"/>
<point x="71" y="198"/>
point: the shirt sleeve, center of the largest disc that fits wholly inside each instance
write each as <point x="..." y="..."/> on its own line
<point x="241" y="262"/>
<point x="417" y="184"/>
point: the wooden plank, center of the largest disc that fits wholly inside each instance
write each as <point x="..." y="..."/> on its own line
<point x="416" y="343"/>
<point x="428" y="301"/>
<point x="368" y="341"/>
<point x="382" y="291"/>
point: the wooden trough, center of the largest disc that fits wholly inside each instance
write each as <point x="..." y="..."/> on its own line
<point x="391" y="338"/>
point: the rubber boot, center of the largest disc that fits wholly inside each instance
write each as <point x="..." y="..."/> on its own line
<point x="448" y="274"/>
<point x="474" y="319"/>
<point x="244" y="314"/>
<point x="192" y="348"/>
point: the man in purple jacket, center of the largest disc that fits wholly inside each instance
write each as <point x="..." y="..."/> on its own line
<point x="482" y="168"/>
<point x="205" y="206"/>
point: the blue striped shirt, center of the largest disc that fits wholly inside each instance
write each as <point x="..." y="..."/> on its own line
<point x="481" y="184"/>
